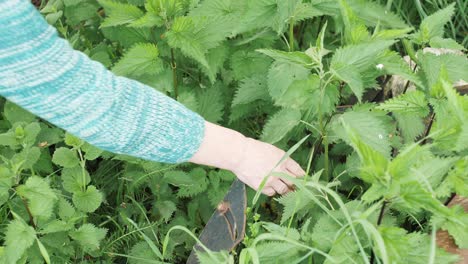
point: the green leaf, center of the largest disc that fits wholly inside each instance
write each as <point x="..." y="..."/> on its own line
<point x="411" y="126"/>
<point x="396" y="243"/>
<point x="280" y="124"/>
<point x="75" y="179"/>
<point x="360" y="55"/>
<point x="278" y="252"/>
<point x="56" y="226"/>
<point x="18" y="238"/>
<point x="65" y="209"/>
<point x="445" y="43"/>
<point x="301" y="93"/>
<point x="350" y="75"/>
<point x="296" y="57"/>
<point x="73" y="141"/>
<point x="433" y="25"/>
<point x="139" y="60"/>
<point x="456" y="223"/>
<point x="89" y="236"/>
<point x="281" y="75"/>
<point x="251" y="89"/>
<point x="41" y="198"/>
<point x="77" y="11"/>
<point x="411" y="102"/>
<point x="119" y="13"/>
<point x="65" y="157"/>
<point x="178" y="178"/>
<point x="91" y="152"/>
<point x="245" y="64"/>
<point x="127" y="36"/>
<point x="199" y="184"/>
<point x="211" y="104"/>
<point x="88" y="201"/>
<point x="141" y="253"/>
<point x="372" y="127"/>
<point x="165" y="209"/>
<point x="13" y="113"/>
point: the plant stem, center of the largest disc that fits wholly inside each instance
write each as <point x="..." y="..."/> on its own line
<point x="291" y="34"/>
<point x="174" y="74"/>
<point x="31" y="218"/>
<point x="379" y="221"/>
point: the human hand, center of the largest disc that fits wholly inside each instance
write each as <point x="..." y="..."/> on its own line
<point x="251" y="160"/>
<point x="259" y="160"/>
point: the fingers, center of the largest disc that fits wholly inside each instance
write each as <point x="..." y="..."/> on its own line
<point x="279" y="186"/>
<point x="268" y="191"/>
<point x="294" y="168"/>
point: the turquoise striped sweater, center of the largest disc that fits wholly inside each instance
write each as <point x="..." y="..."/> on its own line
<point x="42" y="73"/>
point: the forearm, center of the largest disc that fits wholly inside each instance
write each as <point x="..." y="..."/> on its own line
<point x="221" y="147"/>
<point x="42" y="73"/>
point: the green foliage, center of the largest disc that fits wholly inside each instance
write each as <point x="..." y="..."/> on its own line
<point x="274" y="70"/>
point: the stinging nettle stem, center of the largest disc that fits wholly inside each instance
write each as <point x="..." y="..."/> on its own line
<point x="174" y="74"/>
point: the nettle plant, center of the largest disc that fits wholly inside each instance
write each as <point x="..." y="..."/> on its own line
<point x="315" y="75"/>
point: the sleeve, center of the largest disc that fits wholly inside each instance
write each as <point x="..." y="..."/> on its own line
<point x="41" y="72"/>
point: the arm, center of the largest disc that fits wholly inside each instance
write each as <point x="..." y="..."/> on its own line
<point x="42" y="73"/>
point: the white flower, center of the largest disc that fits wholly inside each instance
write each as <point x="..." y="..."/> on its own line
<point x="379" y="66"/>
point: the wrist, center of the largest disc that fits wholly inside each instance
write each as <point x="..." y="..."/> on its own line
<point x="221" y="147"/>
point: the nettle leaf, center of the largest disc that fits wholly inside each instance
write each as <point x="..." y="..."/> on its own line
<point x="89" y="236"/>
<point x="141" y="253"/>
<point x="391" y="63"/>
<point x="372" y="127"/>
<point x="420" y="250"/>
<point x="41" y="198"/>
<point x="88" y="201"/>
<point x="433" y="25"/>
<point x="295" y="57"/>
<point x="91" y="152"/>
<point x="119" y="13"/>
<point x="411" y="126"/>
<point x="189" y="100"/>
<point x="412" y="198"/>
<point x="245" y="64"/>
<point x="65" y="157"/>
<point x="65" y="209"/>
<point x="350" y="75"/>
<point x="165" y="209"/>
<point x="411" y="102"/>
<point x="139" y="60"/>
<point x="199" y="184"/>
<point x="18" y="238"/>
<point x="455" y="66"/>
<point x="359" y="55"/>
<point x="127" y="36"/>
<point x="301" y="94"/>
<point x="178" y="178"/>
<point x="280" y="124"/>
<point x="278" y="252"/>
<point x="251" y="89"/>
<point x="396" y="243"/>
<point x="75" y="179"/>
<point x="211" y="104"/>
<point x="456" y="223"/>
<point x="445" y="43"/>
<point x="281" y="75"/>
<point x="56" y="226"/>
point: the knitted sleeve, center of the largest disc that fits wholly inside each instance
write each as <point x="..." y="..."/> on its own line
<point x="40" y="72"/>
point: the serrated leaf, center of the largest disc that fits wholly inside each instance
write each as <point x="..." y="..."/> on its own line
<point x="445" y="43"/>
<point x="281" y="75"/>
<point x="300" y="94"/>
<point x="211" y="104"/>
<point x="18" y="238"/>
<point x="13" y="113"/>
<point x="411" y="102"/>
<point x="350" y="75"/>
<point x="119" y="13"/>
<point x="65" y="209"/>
<point x="139" y="60"/>
<point x="251" y="89"/>
<point x="369" y="126"/>
<point x="410" y="126"/>
<point x="141" y="253"/>
<point x="245" y="64"/>
<point x="178" y="178"/>
<point x="360" y="55"/>
<point x="56" y="226"/>
<point x="89" y="236"/>
<point x="88" y="201"/>
<point x="280" y="124"/>
<point x="75" y="179"/>
<point x="65" y="157"/>
<point x="295" y="57"/>
<point x="41" y="198"/>
<point x="165" y="209"/>
<point x="433" y="25"/>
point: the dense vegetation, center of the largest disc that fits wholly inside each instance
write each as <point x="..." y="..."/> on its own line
<point x="312" y="76"/>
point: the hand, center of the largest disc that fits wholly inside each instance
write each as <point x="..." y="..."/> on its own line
<point x="251" y="160"/>
<point x="259" y="160"/>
